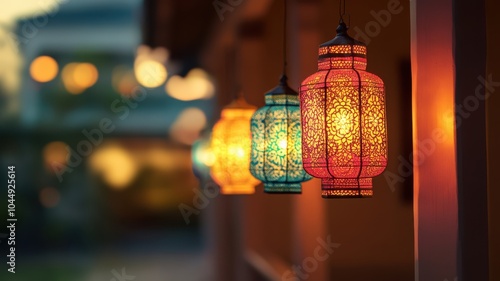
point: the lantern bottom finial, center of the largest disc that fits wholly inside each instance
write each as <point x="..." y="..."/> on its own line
<point x="346" y="188"/>
<point x="237" y="189"/>
<point x="282" y="188"/>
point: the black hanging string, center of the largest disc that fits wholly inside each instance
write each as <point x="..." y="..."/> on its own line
<point x="341" y="10"/>
<point x="238" y="93"/>
<point x="284" y="36"/>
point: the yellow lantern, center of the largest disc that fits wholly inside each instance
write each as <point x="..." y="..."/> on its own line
<point x="231" y="145"/>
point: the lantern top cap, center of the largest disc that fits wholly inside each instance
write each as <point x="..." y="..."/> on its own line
<point x="239" y="103"/>
<point x="282" y="88"/>
<point x="342" y="37"/>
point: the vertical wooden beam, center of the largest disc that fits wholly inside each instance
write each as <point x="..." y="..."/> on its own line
<point x="434" y="149"/>
<point x="451" y="215"/>
<point x="493" y="115"/>
<point x="470" y="68"/>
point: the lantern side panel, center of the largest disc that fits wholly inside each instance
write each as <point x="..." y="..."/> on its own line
<point x="312" y="106"/>
<point x="296" y="170"/>
<point x="258" y="143"/>
<point x="374" y="125"/>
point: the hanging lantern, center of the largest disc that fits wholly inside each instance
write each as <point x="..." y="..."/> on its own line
<point x="276" y="142"/>
<point x="202" y="158"/>
<point x="344" y="137"/>
<point x="231" y="149"/>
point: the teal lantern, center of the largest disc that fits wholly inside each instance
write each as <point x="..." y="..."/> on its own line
<point x="202" y="158"/>
<point x="276" y="157"/>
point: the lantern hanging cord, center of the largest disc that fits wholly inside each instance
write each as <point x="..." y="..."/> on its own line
<point x="284" y="36"/>
<point x="342" y="12"/>
<point x="238" y="93"/>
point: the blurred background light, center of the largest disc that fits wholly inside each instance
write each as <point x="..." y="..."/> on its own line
<point x="202" y="157"/>
<point x="115" y="165"/>
<point x="85" y="75"/>
<point x="44" y="69"/>
<point x="204" y="154"/>
<point x="49" y="197"/>
<point x="55" y="154"/>
<point x="77" y="77"/>
<point x="187" y="127"/>
<point x="11" y="10"/>
<point x="150" y="73"/>
<point x="123" y="80"/>
<point x="149" y="67"/>
<point x="196" y="85"/>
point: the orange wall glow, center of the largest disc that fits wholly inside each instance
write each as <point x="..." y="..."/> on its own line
<point x="434" y="156"/>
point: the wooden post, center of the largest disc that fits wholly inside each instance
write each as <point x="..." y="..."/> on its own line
<point x="470" y="96"/>
<point x="435" y="185"/>
<point x="450" y="208"/>
<point x="493" y="115"/>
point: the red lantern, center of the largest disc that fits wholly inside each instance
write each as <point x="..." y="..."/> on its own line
<point x="344" y="137"/>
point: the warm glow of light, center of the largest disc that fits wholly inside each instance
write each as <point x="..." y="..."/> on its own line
<point x="149" y="66"/>
<point x="448" y="116"/>
<point x="163" y="159"/>
<point x="68" y="79"/>
<point x="123" y="80"/>
<point x="196" y="85"/>
<point x="231" y="144"/>
<point x="237" y="150"/>
<point x="343" y="124"/>
<point x="186" y="129"/>
<point x="115" y="164"/>
<point x="77" y="77"/>
<point x="282" y="143"/>
<point x="44" y="69"/>
<point x="205" y="156"/>
<point x="202" y="157"/>
<point x="85" y="75"/>
<point x="49" y="197"/>
<point x="55" y="154"/>
<point x="13" y="10"/>
<point x="150" y="74"/>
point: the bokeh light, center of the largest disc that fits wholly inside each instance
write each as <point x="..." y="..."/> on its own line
<point x="149" y="66"/>
<point x="55" y="154"/>
<point x="204" y="155"/>
<point x="196" y="85"/>
<point x="150" y="73"/>
<point x="123" y="80"/>
<point x="85" y="75"/>
<point x="115" y="164"/>
<point x="49" y="197"/>
<point x="77" y="77"/>
<point x="44" y="69"/>
<point x="186" y="129"/>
